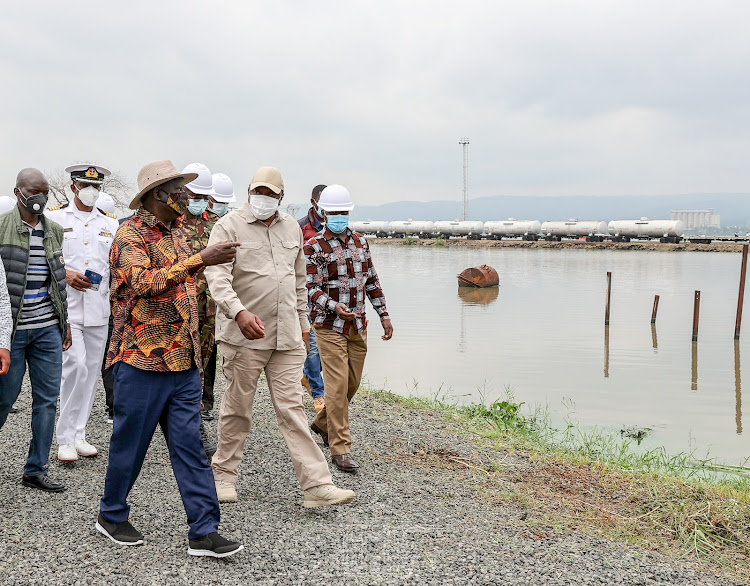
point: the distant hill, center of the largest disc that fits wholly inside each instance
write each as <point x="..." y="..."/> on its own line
<point x="734" y="208"/>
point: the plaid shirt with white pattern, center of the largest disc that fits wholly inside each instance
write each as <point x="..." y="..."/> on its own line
<point x="340" y="270"/>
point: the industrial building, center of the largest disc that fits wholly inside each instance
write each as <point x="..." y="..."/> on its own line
<point x="698" y="218"/>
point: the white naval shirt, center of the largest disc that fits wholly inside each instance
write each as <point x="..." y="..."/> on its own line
<point x="88" y="237"/>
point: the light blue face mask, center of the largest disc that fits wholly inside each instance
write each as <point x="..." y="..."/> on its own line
<point x="197" y="206"/>
<point x="337" y="224"/>
<point x="220" y="209"/>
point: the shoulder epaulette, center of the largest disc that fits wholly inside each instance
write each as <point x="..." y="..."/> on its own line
<point x="55" y="208"/>
<point x="107" y="214"/>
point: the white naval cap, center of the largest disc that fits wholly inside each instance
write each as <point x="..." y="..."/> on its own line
<point x="87" y="173"/>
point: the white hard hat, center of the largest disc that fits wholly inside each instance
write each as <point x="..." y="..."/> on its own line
<point x="201" y="185"/>
<point x="335" y="198"/>
<point x="105" y="202"/>
<point x="223" y="189"/>
<point x="7" y="203"/>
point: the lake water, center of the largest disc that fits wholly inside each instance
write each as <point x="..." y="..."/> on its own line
<point x="542" y="334"/>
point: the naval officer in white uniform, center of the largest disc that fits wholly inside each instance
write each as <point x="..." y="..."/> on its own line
<point x="88" y="235"/>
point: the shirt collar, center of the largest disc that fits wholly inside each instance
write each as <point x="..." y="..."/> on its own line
<point x="343" y="236"/>
<point x="150" y="219"/>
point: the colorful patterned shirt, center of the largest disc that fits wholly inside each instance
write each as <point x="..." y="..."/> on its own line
<point x="197" y="230"/>
<point x="153" y="296"/>
<point x="340" y="270"/>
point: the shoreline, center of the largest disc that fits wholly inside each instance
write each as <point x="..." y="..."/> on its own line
<point x="444" y="496"/>
<point x="638" y="245"/>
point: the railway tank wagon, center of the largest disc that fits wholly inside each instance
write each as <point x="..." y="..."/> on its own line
<point x="469" y="229"/>
<point x="512" y="228"/>
<point x="402" y="228"/>
<point x="592" y="230"/>
<point x="645" y="228"/>
<point x="379" y="229"/>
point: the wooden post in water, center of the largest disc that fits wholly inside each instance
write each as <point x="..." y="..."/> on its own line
<point x="737" y="388"/>
<point x="696" y="313"/>
<point x="654" y="310"/>
<point x="609" y="293"/>
<point x="741" y="298"/>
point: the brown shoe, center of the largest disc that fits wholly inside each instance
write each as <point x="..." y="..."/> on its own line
<point x="306" y="384"/>
<point x="344" y="462"/>
<point x="315" y="429"/>
<point x="319" y="403"/>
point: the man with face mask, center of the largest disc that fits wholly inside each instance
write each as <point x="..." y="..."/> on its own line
<point x="197" y="224"/>
<point x="31" y="251"/>
<point x="88" y="235"/>
<point x="340" y="274"/>
<point x="156" y="356"/>
<point x="262" y="325"/>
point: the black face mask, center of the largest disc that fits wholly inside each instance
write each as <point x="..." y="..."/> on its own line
<point x="35" y="204"/>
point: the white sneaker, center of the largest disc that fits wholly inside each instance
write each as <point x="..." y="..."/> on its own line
<point x="85" y="449"/>
<point x="67" y="453"/>
<point x="225" y="491"/>
<point x="327" y="494"/>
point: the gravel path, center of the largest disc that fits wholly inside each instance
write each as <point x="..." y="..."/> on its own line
<point x="410" y="523"/>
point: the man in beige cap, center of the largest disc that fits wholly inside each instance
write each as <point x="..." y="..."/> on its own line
<point x="155" y="350"/>
<point x="262" y="325"/>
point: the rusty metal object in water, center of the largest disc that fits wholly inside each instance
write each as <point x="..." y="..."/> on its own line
<point x="481" y="276"/>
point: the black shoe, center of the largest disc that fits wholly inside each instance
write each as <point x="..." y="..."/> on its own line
<point x="121" y="533"/>
<point x="110" y="417"/>
<point x="208" y="445"/>
<point x="214" y="545"/>
<point x="42" y="482"/>
<point x="314" y="428"/>
<point x="13" y="410"/>
<point x="206" y="415"/>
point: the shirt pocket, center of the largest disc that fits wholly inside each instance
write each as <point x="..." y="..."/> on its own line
<point x="291" y="251"/>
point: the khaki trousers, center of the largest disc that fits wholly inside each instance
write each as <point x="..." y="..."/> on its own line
<point x="343" y="358"/>
<point x="242" y="368"/>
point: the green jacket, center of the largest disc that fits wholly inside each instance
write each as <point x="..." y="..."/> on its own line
<point x="14" y="250"/>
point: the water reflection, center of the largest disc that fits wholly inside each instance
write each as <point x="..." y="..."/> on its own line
<point x="606" y="351"/>
<point x="471" y="296"/>
<point x="694" y="368"/>
<point x="654" y="343"/>
<point x="478" y="295"/>
<point x="737" y="388"/>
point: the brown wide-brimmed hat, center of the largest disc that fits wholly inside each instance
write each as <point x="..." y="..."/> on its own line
<point x="154" y="174"/>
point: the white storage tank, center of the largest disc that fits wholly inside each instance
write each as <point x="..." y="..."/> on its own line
<point x="575" y="228"/>
<point x="379" y="228"/>
<point x="667" y="230"/>
<point x="466" y="228"/>
<point x="512" y="227"/>
<point x="401" y="228"/>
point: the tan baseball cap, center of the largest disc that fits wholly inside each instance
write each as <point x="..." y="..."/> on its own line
<point x="268" y="177"/>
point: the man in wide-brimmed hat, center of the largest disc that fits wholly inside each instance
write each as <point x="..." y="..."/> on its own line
<point x="155" y="350"/>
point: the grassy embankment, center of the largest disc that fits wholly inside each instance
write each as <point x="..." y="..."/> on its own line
<point x="593" y="481"/>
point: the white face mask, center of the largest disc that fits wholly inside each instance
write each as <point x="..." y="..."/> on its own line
<point x="88" y="195"/>
<point x="263" y="206"/>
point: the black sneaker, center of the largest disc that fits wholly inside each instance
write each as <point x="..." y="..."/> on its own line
<point x="214" y="545"/>
<point x="206" y="415"/>
<point x="208" y="445"/>
<point x="42" y="482"/>
<point x="121" y="533"/>
<point x="110" y="416"/>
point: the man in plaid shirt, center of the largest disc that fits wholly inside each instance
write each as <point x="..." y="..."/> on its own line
<point x="340" y="274"/>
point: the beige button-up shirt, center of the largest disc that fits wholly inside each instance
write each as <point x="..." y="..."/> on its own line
<point x="267" y="277"/>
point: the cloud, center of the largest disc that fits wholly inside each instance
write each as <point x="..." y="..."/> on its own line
<point x="580" y="97"/>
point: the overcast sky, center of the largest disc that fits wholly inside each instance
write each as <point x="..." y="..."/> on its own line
<point x="574" y="97"/>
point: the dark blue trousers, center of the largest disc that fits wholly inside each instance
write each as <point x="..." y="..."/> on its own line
<point x="172" y="400"/>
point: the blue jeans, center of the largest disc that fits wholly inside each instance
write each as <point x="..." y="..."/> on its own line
<point x="172" y="400"/>
<point x="311" y="369"/>
<point x="41" y="349"/>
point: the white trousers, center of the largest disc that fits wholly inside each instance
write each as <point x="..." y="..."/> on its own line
<point x="81" y="368"/>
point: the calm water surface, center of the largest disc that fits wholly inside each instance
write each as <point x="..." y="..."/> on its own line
<point x="542" y="333"/>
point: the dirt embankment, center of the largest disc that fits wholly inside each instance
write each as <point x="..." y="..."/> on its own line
<point x="566" y="244"/>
